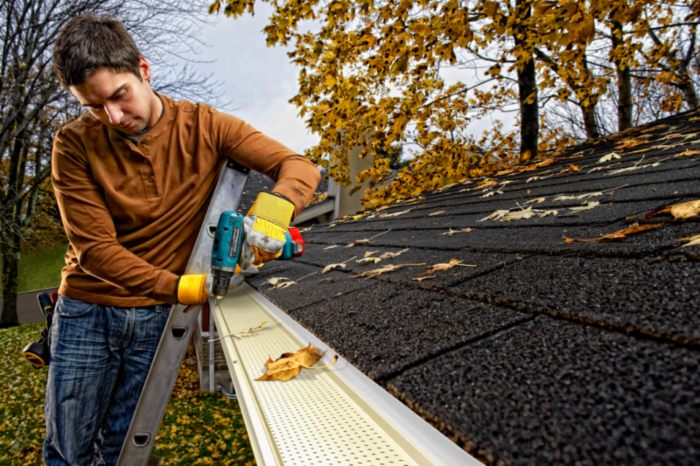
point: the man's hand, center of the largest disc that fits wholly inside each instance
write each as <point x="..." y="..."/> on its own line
<point x="193" y="289"/>
<point x="265" y="227"/>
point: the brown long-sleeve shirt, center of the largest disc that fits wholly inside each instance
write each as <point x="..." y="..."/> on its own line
<point x="132" y="211"/>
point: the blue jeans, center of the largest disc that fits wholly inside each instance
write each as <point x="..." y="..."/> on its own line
<point x="100" y="356"/>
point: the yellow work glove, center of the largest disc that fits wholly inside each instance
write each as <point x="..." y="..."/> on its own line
<point x="265" y="227"/>
<point x="193" y="289"/>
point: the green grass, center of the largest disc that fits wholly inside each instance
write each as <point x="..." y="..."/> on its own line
<point x="197" y="428"/>
<point x="40" y="270"/>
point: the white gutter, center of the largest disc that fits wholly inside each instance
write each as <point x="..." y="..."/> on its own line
<point x="335" y="415"/>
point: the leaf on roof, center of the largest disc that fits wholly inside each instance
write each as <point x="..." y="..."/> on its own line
<point x="681" y="211"/>
<point x="385" y="269"/>
<point x="636" y="166"/>
<point x="545" y="163"/>
<point x="631" y="142"/>
<point x="536" y="200"/>
<point x="618" y="234"/>
<point x="587" y="206"/>
<point x="442" y="267"/>
<point x="280" y="282"/>
<point x="331" y="267"/>
<point x="689" y="153"/>
<point x="609" y="157"/>
<point x="580" y="197"/>
<point x="486" y="184"/>
<point x="574" y="168"/>
<point x="434" y="214"/>
<point x="452" y="232"/>
<point x="691" y="240"/>
<point x="508" y="216"/>
<point x="368" y="253"/>
<point x="390" y="255"/>
<point x="289" y="365"/>
<point x="395" y="214"/>
<point x="332" y="246"/>
<point x="427" y="277"/>
<point x="359" y="241"/>
<point x="369" y="260"/>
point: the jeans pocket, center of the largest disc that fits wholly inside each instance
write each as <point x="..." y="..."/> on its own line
<point x="69" y="307"/>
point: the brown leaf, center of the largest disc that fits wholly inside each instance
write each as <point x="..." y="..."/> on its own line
<point x="331" y="267"/>
<point x="617" y="235"/>
<point x="433" y="214"/>
<point x="689" y="153"/>
<point x="446" y="266"/>
<point x="288" y="365"/>
<point x="385" y="269"/>
<point x="682" y="211"/>
<point x="691" y="240"/>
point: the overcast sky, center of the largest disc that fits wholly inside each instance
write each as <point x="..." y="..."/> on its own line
<point x="257" y="80"/>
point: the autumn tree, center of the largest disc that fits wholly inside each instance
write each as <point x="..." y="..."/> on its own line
<point x="33" y="104"/>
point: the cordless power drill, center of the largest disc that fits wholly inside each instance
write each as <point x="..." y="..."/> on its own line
<point x="226" y="250"/>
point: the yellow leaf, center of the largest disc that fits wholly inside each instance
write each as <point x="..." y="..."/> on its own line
<point x="288" y="365"/>
<point x="452" y="232"/>
<point x="682" y="211"/>
<point x="390" y="255"/>
<point x="689" y="153"/>
<point x="369" y="260"/>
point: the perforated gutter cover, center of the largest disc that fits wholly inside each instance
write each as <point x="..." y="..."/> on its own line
<point x="334" y="415"/>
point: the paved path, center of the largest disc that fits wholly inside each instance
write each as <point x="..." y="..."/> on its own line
<point x="28" y="308"/>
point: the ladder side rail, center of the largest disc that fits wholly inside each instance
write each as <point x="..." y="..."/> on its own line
<point x="179" y="327"/>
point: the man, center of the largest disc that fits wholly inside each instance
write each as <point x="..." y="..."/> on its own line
<point x="133" y="177"/>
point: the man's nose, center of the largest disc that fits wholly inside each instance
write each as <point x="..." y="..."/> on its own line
<point x="114" y="112"/>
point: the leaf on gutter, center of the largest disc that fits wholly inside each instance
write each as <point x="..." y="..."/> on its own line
<point x="289" y="365"/>
<point x="691" y="241"/>
<point x="609" y="157"/>
<point x="616" y="235"/>
<point x="507" y="215"/>
<point x="681" y="211"/>
<point x="331" y="267"/>
<point x="587" y="206"/>
<point x="452" y="232"/>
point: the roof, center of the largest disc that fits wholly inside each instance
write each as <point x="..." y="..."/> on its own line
<point x="535" y="348"/>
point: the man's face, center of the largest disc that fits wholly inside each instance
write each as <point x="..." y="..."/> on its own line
<point x="120" y="99"/>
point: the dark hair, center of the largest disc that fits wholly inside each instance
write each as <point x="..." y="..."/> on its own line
<point x="87" y="43"/>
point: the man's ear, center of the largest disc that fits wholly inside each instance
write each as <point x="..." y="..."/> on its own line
<point x="144" y="68"/>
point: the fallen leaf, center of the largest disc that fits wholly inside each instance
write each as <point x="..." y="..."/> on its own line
<point x="369" y="260"/>
<point x="682" y="211"/>
<point x="395" y="214"/>
<point x="587" y="206"/>
<point x="616" y="235"/>
<point x="507" y="215"/>
<point x="288" y="365"/>
<point x="331" y="267"/>
<point x="580" y="197"/>
<point x="691" y="240"/>
<point x="280" y="282"/>
<point x="359" y="241"/>
<point x="452" y="232"/>
<point x="332" y="246"/>
<point x="631" y="143"/>
<point x="420" y="279"/>
<point x="689" y="153"/>
<point x="368" y="253"/>
<point x="390" y="255"/>
<point x="439" y="212"/>
<point x="633" y="168"/>
<point x="385" y="269"/>
<point x="537" y="200"/>
<point x="609" y="157"/>
<point x="574" y="167"/>
<point x="446" y="266"/>
<point x="545" y="163"/>
<point x="485" y="184"/>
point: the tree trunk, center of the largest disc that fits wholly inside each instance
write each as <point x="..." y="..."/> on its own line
<point x="589" y="122"/>
<point x="10" y="280"/>
<point x="527" y="88"/>
<point x="624" y="82"/>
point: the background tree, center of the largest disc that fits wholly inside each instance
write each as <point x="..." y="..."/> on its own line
<point x="32" y="104"/>
<point x="376" y="73"/>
